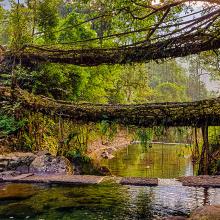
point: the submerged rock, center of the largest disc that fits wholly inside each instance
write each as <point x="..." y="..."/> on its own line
<point x="48" y="164"/>
<point x="17" y="191"/>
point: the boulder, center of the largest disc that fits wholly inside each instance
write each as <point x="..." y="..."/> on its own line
<point x="48" y="164"/>
<point x="209" y="212"/>
<point x="16" y="162"/>
<point x="40" y="163"/>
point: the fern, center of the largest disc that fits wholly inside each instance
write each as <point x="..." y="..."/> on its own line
<point x="9" y="125"/>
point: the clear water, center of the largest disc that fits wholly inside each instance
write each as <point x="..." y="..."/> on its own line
<point x="113" y="201"/>
<point x="160" y="161"/>
<point x="21" y="201"/>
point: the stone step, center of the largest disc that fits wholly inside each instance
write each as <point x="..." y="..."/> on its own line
<point x="169" y="182"/>
<point x="201" y="181"/>
<point x="139" y="181"/>
<point x="55" y="179"/>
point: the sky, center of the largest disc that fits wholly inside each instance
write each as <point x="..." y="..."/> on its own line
<point x="5" y="4"/>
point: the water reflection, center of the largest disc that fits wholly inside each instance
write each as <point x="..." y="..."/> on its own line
<point x="103" y="202"/>
<point x="162" y="161"/>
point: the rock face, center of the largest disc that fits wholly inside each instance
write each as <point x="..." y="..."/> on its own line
<point x="16" y="161"/>
<point x="49" y="164"/>
<point x="209" y="212"/>
<point x="40" y="163"/>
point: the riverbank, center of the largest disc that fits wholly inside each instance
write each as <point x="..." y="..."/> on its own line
<point x="99" y="149"/>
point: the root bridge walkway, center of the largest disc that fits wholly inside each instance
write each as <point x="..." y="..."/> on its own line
<point x="197" y="114"/>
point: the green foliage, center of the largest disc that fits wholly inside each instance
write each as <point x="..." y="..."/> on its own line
<point x="103" y="84"/>
<point x="218" y="165"/>
<point x="52" y="22"/>
<point x="53" y="80"/>
<point x="196" y="87"/>
<point x="48" y="19"/>
<point x="108" y="129"/>
<point x="82" y="32"/>
<point x="208" y="61"/>
<point x="55" y="22"/>
<point x="19" y="26"/>
<point x="72" y="135"/>
<point x="214" y="134"/>
<point x="27" y="142"/>
<point x="170" y="91"/>
<point x="169" y="81"/>
<point x="169" y="71"/>
<point x="159" y="131"/>
<point x="9" y="125"/>
<point x="78" y="156"/>
<point x="144" y="135"/>
<point x="3" y="27"/>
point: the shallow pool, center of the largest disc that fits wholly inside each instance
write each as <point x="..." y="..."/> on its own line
<point x="159" y="161"/>
<point x="23" y="201"/>
<point x="113" y="201"/>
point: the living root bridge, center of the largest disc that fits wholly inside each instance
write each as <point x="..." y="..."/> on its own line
<point x="172" y="48"/>
<point x="198" y="114"/>
<point x="171" y="35"/>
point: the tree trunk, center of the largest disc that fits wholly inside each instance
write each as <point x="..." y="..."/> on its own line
<point x="204" y="159"/>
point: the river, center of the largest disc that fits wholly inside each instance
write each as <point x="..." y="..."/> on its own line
<point x="113" y="201"/>
<point x="158" y="160"/>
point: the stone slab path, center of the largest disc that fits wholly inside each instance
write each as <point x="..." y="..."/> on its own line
<point x="199" y="181"/>
<point x="137" y="181"/>
<point x="56" y="179"/>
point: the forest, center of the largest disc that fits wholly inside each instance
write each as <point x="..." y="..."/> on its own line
<point x="85" y="79"/>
